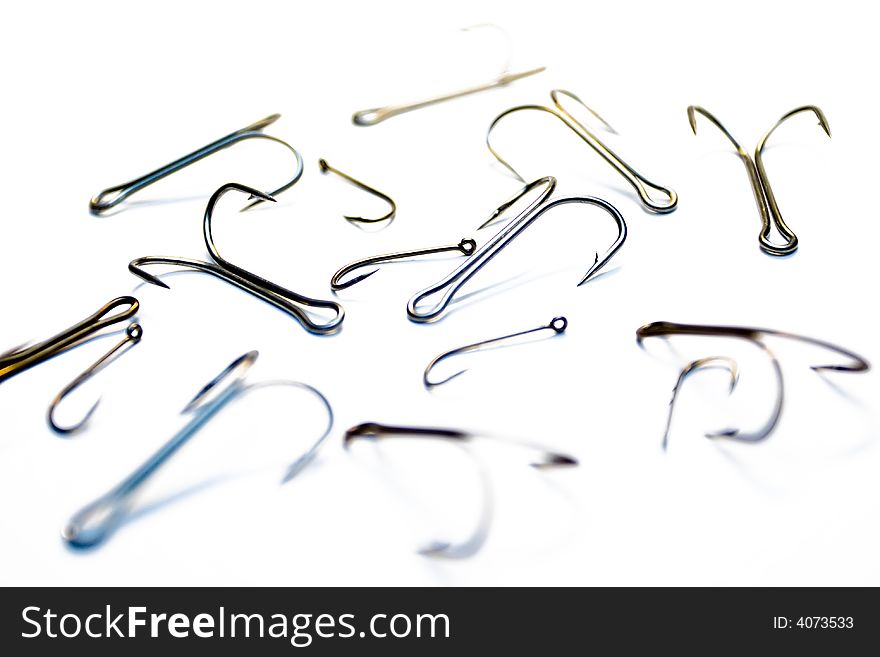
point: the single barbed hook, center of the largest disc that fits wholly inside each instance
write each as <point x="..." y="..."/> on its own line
<point x="112" y="196"/>
<point x="642" y="185"/>
<point x="133" y="335"/>
<point x="557" y="325"/>
<point x="453" y="282"/>
<point x="755" y="336"/>
<point x="290" y="302"/>
<point x="388" y="216"/>
<point x="763" y="192"/>
<point x="376" y="115"/>
<point x="466" y="247"/>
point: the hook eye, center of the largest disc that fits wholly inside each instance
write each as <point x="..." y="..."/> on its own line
<point x="554" y="95"/>
<point x="103" y="317"/>
<point x="558" y="324"/>
<point x="237" y="368"/>
<point x="370" y="116"/>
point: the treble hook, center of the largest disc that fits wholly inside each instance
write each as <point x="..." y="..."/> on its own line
<point x="544" y="460"/>
<point x="133" y="335"/>
<point x="97" y="520"/>
<point x="464" y="272"/>
<point x="22" y="358"/>
<point x="466" y="247"/>
<point x="113" y="196"/>
<point x="764" y="196"/>
<point x="557" y="325"/>
<point x="388" y="216"/>
<point x="633" y="177"/>
<point x="755" y="336"/>
<point x="282" y="298"/>
<point x="377" y="115"/>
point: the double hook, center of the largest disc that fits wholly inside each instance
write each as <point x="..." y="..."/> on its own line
<point x="642" y="185"/>
<point x="294" y="304"/>
<point x="20" y="359"/>
<point x="112" y="196"/>
<point x="764" y="197"/>
<point x="452" y="283"/>
<point x="388" y="216"/>
<point x="97" y="520"/>
<point x="755" y="336"/>
<point x="542" y="459"/>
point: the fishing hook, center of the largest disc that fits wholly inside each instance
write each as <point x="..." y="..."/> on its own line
<point x="133" y="335"/>
<point x="633" y="177"/>
<point x="557" y="325"/>
<point x="694" y="366"/>
<point x="464" y="272"/>
<point x="466" y="247"/>
<point x="113" y="196"/>
<point x="97" y="520"/>
<point x="544" y="460"/>
<point x="376" y="115"/>
<point x="22" y="358"/>
<point x="755" y="336"/>
<point x="282" y="298"/>
<point x="761" y="188"/>
<point x="388" y="216"/>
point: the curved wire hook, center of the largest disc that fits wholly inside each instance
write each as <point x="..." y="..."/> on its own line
<point x="97" y="520"/>
<point x="21" y="358"/>
<point x="543" y="460"/>
<point x="466" y="247"/>
<point x="464" y="272"/>
<point x="763" y="192"/>
<point x="641" y="184"/>
<point x="113" y="196"/>
<point x="376" y="115"/>
<point x="694" y="366"/>
<point x="133" y="335"/>
<point x="388" y="216"/>
<point x="557" y="325"/>
<point x="755" y="336"/>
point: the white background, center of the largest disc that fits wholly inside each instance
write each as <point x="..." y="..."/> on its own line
<point x="100" y="93"/>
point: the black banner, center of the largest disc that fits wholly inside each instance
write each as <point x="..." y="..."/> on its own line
<point x="277" y="621"/>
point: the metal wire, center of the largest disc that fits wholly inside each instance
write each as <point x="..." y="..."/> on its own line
<point x="764" y="197"/>
<point x="642" y="185"/>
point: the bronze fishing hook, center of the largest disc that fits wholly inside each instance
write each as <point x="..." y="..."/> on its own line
<point x="22" y="358"/>
<point x="557" y="325"/>
<point x="764" y="197"/>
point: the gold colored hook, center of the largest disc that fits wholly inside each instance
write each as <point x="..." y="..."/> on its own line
<point x="388" y="216"/>
<point x="763" y="192"/>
